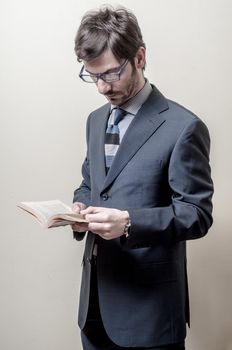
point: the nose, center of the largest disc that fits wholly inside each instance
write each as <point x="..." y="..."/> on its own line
<point x="103" y="87"/>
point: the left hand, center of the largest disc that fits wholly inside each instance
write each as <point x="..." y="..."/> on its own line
<point x="106" y="222"/>
<point x="79" y="226"/>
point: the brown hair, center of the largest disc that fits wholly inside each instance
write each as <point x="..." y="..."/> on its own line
<point x="108" y="28"/>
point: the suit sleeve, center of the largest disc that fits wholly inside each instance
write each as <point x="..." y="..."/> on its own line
<point x="83" y="192"/>
<point x="189" y="215"/>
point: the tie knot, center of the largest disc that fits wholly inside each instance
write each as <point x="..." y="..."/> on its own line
<point x="118" y="115"/>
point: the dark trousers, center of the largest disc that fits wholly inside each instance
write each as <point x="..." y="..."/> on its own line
<point x="94" y="336"/>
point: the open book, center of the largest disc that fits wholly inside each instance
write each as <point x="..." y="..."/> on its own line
<point x="51" y="213"/>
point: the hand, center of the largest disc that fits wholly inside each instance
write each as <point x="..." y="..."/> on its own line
<point x="79" y="226"/>
<point x="106" y="222"/>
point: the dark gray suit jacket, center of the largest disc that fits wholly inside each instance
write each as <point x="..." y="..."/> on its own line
<point x="161" y="175"/>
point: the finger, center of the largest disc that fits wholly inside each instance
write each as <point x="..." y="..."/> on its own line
<point x="78" y="206"/>
<point x="91" y="210"/>
<point x="105" y="236"/>
<point x="98" y="217"/>
<point x="99" y="228"/>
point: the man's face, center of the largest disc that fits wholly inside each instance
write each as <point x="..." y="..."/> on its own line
<point x="118" y="92"/>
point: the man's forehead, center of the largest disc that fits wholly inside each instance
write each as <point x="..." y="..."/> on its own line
<point x="103" y="63"/>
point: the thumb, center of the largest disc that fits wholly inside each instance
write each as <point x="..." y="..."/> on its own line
<point x="78" y="206"/>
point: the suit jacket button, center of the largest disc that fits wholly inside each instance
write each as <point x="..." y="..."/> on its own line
<point x="105" y="197"/>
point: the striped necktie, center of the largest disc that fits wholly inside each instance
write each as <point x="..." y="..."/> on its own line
<point x="112" y="139"/>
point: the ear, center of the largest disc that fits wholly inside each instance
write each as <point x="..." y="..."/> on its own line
<point x="140" y="58"/>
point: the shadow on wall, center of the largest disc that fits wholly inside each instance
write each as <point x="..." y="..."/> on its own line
<point x="210" y="279"/>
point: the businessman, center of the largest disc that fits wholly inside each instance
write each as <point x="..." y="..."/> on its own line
<point x="146" y="190"/>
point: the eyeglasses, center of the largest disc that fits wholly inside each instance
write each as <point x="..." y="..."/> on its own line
<point x="106" y="77"/>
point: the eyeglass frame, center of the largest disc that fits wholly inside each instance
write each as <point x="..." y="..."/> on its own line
<point x="96" y="77"/>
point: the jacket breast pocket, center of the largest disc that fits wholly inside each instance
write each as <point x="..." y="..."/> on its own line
<point x="156" y="272"/>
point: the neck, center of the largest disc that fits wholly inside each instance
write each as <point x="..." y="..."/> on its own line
<point x="140" y="81"/>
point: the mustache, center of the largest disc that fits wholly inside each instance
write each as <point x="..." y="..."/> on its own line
<point x="110" y="93"/>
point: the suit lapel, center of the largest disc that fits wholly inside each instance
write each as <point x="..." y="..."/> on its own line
<point x="145" y="123"/>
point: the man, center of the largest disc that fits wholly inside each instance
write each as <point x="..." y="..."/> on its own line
<point x="146" y="189"/>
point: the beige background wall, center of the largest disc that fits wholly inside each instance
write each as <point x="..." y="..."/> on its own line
<point x="43" y="112"/>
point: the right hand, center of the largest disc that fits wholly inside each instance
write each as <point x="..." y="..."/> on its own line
<point x="79" y="226"/>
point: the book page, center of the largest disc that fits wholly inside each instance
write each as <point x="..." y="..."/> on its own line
<point x="47" y="209"/>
